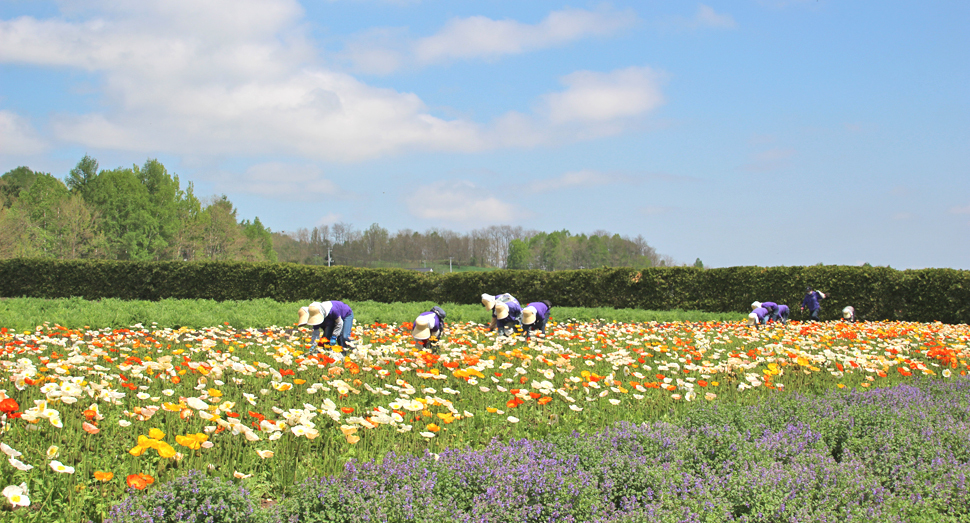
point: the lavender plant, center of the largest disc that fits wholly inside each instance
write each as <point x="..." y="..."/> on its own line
<point x="192" y="498"/>
<point x="895" y="454"/>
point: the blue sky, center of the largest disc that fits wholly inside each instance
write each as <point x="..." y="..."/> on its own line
<point x="752" y="132"/>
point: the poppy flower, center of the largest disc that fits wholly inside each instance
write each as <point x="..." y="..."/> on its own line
<point x="62" y="468"/>
<point x="104" y="476"/>
<point x="17" y="495"/>
<point x="139" y="481"/>
<point x="9" y="406"/>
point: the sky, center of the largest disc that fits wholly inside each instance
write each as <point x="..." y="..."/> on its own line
<point x="749" y="132"/>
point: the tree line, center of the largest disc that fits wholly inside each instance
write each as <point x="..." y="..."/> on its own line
<point x="144" y="213"/>
<point x="495" y="246"/>
<point x="128" y="213"/>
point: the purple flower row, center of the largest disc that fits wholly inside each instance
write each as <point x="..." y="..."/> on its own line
<point x="893" y="454"/>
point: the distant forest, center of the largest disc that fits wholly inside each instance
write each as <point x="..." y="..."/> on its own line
<point x="495" y="246"/>
<point x="144" y="213"/>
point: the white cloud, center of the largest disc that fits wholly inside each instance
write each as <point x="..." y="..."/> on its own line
<point x="284" y="181"/>
<point x="602" y="97"/>
<point x="483" y="37"/>
<point x="17" y="137"/>
<point x="227" y="78"/>
<point x="329" y="219"/>
<point x="462" y="202"/>
<point x="706" y="17"/>
<point x="198" y="81"/>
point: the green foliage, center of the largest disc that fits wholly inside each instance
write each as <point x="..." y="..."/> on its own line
<point x="22" y="314"/>
<point x="136" y="213"/>
<point x="519" y="255"/>
<point x="877" y="293"/>
<point x="13" y="182"/>
<point x="82" y="174"/>
<point x="125" y="204"/>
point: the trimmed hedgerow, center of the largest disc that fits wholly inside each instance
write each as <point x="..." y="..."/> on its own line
<point x="877" y="293"/>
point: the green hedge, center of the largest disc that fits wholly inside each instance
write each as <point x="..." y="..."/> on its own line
<point x="877" y="293"/>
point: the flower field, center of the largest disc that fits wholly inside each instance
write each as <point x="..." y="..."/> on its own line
<point x="91" y="416"/>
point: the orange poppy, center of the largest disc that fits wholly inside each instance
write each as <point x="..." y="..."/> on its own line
<point x="139" y="481"/>
<point x="104" y="476"/>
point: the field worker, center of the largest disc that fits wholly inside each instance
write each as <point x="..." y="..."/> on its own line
<point x="507" y="317"/>
<point x="428" y="327"/>
<point x="534" y="317"/>
<point x="849" y="314"/>
<point x="782" y="314"/>
<point x="489" y="301"/>
<point x="758" y="316"/>
<point x="334" y="318"/>
<point x="813" y="301"/>
<point x="771" y="307"/>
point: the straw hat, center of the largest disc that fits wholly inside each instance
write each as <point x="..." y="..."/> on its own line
<point x="752" y="319"/>
<point x="528" y="315"/>
<point x="302" y="316"/>
<point x="755" y="304"/>
<point x="422" y="327"/>
<point x="501" y="311"/>
<point x="318" y="311"/>
<point x="848" y="311"/>
<point x="488" y="301"/>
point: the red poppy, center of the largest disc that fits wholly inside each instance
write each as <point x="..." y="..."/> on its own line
<point x="9" y="405"/>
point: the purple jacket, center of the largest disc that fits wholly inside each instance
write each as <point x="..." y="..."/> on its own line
<point x="811" y="301"/>
<point x="761" y="312"/>
<point x="435" y="325"/>
<point x="783" y="310"/>
<point x="771" y="306"/>
<point x="338" y="311"/>
<point x="542" y="312"/>
<point x="515" y="310"/>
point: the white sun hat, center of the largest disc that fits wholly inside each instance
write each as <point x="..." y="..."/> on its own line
<point x="752" y="319"/>
<point x="318" y="311"/>
<point x="501" y="311"/>
<point x="528" y="315"/>
<point x="755" y="304"/>
<point x="488" y="301"/>
<point x="422" y="327"/>
<point x="847" y="312"/>
<point x="302" y="315"/>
